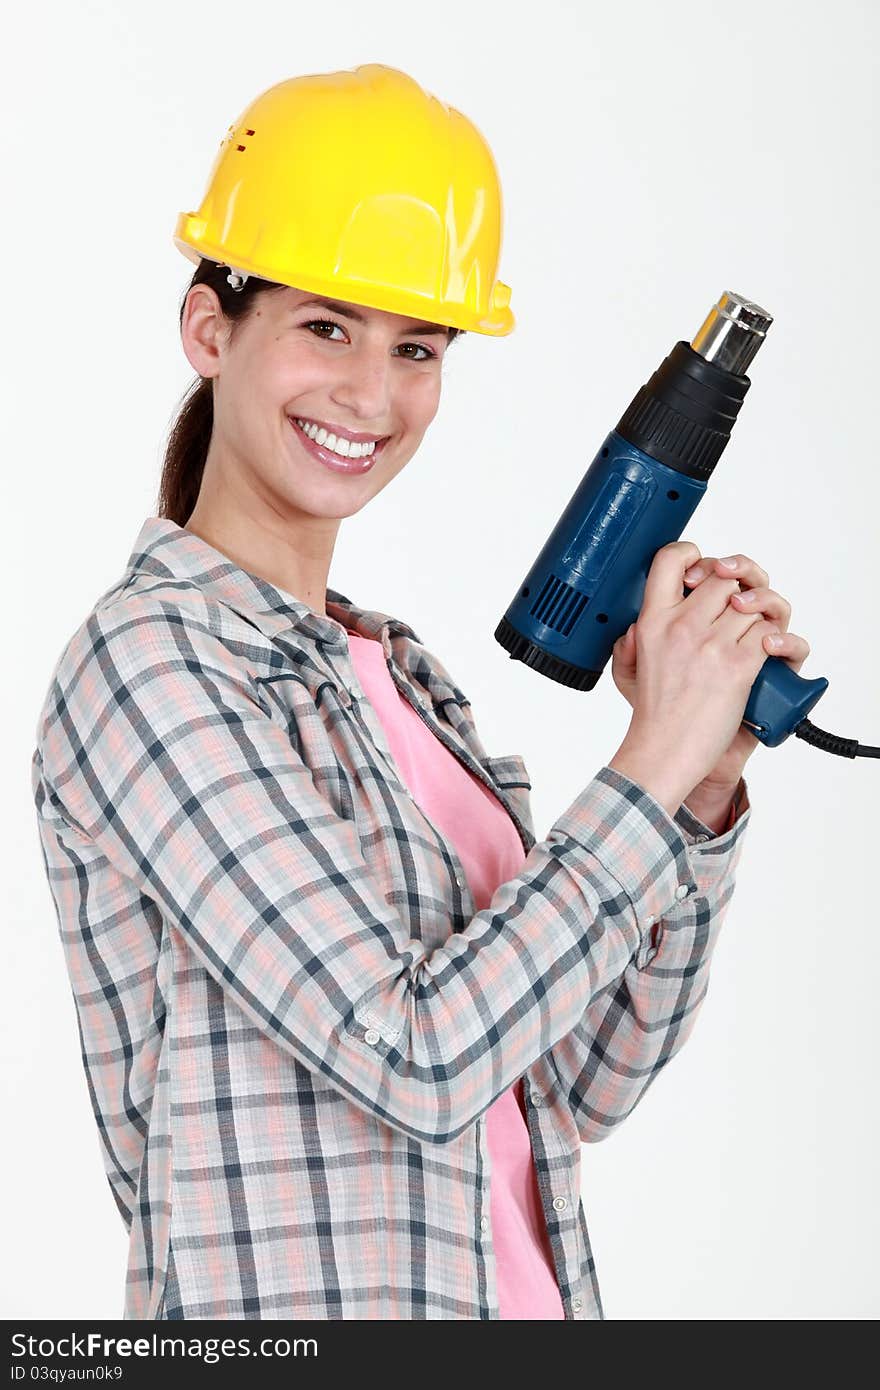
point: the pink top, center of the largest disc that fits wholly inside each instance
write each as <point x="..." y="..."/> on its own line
<point x="490" y="850"/>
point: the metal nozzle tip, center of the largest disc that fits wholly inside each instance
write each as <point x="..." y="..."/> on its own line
<point x="732" y="332"/>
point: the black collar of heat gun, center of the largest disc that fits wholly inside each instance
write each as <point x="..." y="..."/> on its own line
<point x="684" y="415"/>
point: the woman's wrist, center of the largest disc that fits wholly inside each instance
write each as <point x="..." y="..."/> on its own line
<point x="712" y="804"/>
<point x="654" y="772"/>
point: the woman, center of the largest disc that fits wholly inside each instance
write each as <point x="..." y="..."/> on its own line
<point x="344" y="1021"/>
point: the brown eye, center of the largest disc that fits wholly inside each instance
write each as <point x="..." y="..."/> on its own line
<point x="420" y="348"/>
<point x="329" y="323"/>
<point x="322" y="323"/>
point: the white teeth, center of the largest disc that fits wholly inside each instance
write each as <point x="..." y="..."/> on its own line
<point x="343" y="447"/>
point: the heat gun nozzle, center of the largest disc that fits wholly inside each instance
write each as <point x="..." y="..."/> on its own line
<point x="684" y="413"/>
<point x="732" y="332"/>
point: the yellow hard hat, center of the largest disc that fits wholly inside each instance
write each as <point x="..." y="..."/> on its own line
<point x="361" y="186"/>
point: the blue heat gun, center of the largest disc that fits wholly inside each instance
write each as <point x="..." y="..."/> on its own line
<point x="642" y="488"/>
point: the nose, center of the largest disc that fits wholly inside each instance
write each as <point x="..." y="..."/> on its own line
<point x="363" y="387"/>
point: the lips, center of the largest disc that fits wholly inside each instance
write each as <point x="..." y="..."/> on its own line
<point x="336" y="462"/>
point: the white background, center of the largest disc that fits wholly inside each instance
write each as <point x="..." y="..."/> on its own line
<point x="651" y="157"/>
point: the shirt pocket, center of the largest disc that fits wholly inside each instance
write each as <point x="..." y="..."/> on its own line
<point x="511" y="776"/>
<point x="508" y="770"/>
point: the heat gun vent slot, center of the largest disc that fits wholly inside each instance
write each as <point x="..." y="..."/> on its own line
<point x="558" y="605"/>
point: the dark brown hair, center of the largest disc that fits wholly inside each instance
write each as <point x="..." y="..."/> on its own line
<point x="190" y="435"/>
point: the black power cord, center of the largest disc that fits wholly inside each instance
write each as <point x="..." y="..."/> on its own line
<point x="833" y="743"/>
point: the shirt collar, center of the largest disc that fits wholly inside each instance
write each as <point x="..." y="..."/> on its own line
<point x="168" y="551"/>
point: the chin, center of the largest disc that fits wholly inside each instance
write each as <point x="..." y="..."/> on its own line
<point x="327" y="507"/>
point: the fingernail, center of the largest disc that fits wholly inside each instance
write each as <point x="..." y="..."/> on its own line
<point x="775" y="639"/>
<point x="695" y="572"/>
<point x="746" y="596"/>
<point x="729" y="561"/>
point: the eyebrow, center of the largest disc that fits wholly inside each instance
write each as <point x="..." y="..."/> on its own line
<point x="347" y="312"/>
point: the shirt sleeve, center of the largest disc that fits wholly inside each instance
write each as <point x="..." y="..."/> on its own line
<point x="628" y="1033"/>
<point x="158" y="748"/>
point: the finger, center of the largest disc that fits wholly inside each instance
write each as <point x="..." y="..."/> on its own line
<point x="710" y="594"/>
<point x="793" y="649"/>
<point x="762" y="601"/>
<point x="699" y="571"/>
<point x="665" y="582"/>
<point x="745" y="569"/>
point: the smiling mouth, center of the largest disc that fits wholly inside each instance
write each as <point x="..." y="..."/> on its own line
<point x="338" y="463"/>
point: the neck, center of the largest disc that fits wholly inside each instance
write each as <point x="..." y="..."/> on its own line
<point x="291" y="551"/>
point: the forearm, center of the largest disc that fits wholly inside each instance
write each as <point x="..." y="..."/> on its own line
<point x="709" y="801"/>
<point x="713" y="805"/>
<point x="628" y="1033"/>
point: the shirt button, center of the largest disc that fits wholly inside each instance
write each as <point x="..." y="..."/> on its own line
<point x="648" y="922"/>
<point x="560" y="1203"/>
<point x="701" y="839"/>
<point x="682" y="891"/>
<point x="484" y="1223"/>
<point x="371" y="1036"/>
<point x="536" y="1097"/>
<point x="577" y="1304"/>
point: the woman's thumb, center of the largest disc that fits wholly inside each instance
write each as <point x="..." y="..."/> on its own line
<point x="625" y="645"/>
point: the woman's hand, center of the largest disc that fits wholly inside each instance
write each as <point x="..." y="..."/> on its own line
<point x="754" y="597"/>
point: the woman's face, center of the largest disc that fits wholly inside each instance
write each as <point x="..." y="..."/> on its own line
<point x="363" y="371"/>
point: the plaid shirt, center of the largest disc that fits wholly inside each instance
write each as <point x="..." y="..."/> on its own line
<point x="292" y="1019"/>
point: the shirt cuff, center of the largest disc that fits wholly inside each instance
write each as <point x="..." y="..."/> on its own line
<point x="636" y="841"/>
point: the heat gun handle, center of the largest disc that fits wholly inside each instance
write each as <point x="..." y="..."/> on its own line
<point x="779" y="699"/>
